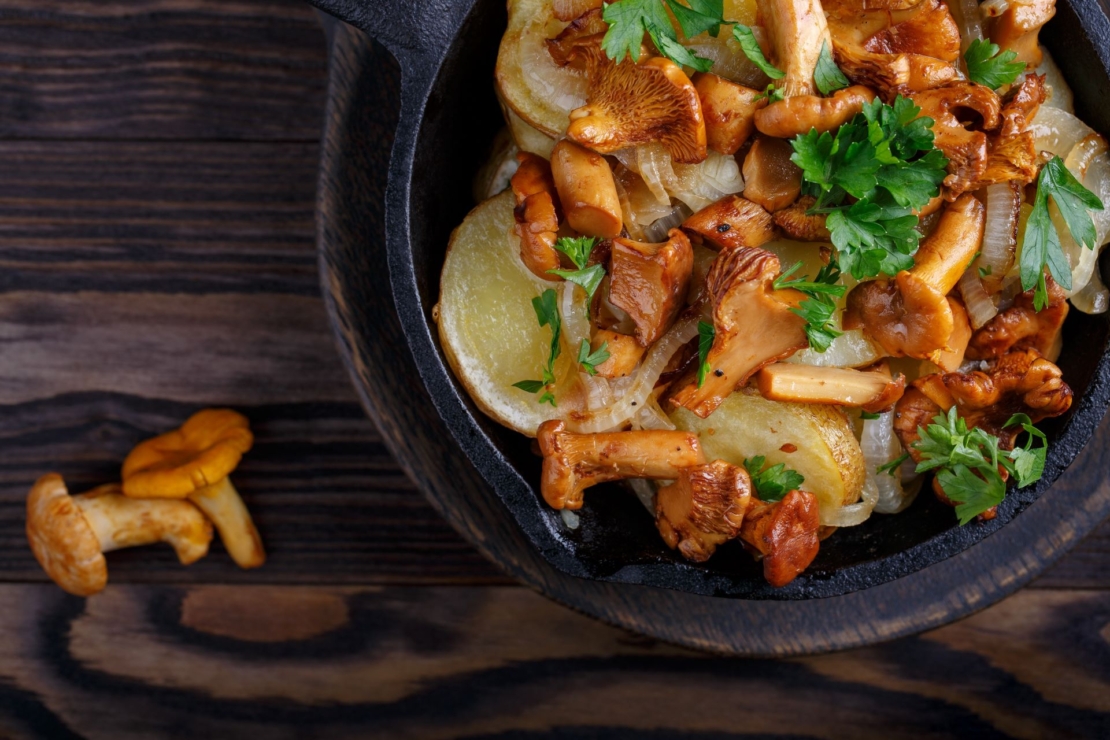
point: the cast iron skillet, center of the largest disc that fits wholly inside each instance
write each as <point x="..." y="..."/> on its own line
<point x="448" y="116"/>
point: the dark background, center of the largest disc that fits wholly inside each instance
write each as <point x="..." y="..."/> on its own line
<point x="157" y="184"/>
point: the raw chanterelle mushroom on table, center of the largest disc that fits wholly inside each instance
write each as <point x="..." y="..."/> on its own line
<point x="802" y="231"/>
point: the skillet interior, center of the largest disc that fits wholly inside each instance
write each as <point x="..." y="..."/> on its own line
<point x="617" y="540"/>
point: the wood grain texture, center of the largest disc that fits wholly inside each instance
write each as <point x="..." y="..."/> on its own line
<point x="291" y="662"/>
<point x="160" y="69"/>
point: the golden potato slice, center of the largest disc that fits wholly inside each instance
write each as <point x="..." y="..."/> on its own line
<point x="528" y="80"/>
<point x="527" y="139"/>
<point x="487" y="325"/>
<point x="824" y="447"/>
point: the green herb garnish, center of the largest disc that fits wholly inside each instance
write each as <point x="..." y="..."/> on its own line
<point x="966" y="461"/>
<point x="590" y="360"/>
<point x="578" y="249"/>
<point x="986" y="66"/>
<point x="884" y="159"/>
<point x="754" y="53"/>
<point x="774" y="482"/>
<point x="1041" y="246"/>
<point x="547" y="312"/>
<point x="827" y="76"/>
<point x="706" y="333"/>
<point x="819" y="308"/>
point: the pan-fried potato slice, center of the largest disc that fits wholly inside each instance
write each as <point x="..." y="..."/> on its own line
<point x="528" y="80"/>
<point x="825" y="449"/>
<point x="527" y="138"/>
<point x="487" y="326"/>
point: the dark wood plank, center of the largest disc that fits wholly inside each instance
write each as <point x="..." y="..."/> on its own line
<point x="290" y="662"/>
<point x="161" y="69"/>
<point x="171" y="217"/>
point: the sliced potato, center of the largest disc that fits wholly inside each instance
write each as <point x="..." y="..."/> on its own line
<point x="487" y="325"/>
<point x="824" y="446"/>
<point x="539" y="91"/>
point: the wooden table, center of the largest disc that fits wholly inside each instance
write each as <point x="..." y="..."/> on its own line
<point x="156" y="256"/>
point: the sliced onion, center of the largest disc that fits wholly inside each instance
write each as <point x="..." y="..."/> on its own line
<point x="642" y="383"/>
<point x="699" y="185"/>
<point x="1059" y="93"/>
<point x="850" y="349"/>
<point x="854" y="514"/>
<point x="651" y="416"/>
<point x="980" y="308"/>
<point x="729" y="60"/>
<point x="643" y="207"/>
<point x="966" y="15"/>
<point x="1094" y="297"/>
<point x="576" y="321"/>
<point x="645" y="491"/>
<point x="628" y="214"/>
<point x="999" y="233"/>
<point x="1057" y="131"/>
<point x="1097" y="180"/>
<point x="881" y="446"/>
<point x="653" y="163"/>
<point x="570" y="518"/>
<point x="562" y="87"/>
<point x="658" y="230"/>
<point x="991" y="9"/>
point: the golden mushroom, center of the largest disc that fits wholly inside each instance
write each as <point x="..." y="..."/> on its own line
<point x="70" y="534"/>
<point x="194" y="462"/>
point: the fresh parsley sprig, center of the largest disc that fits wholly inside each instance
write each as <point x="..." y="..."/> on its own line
<point x="967" y="461"/>
<point x="578" y="249"/>
<point x="774" y="482"/>
<point x="772" y="93"/>
<point x="892" y="466"/>
<point x="987" y="66"/>
<point x="820" y="307"/>
<point x="547" y="312"/>
<point x="629" y="20"/>
<point x="826" y="75"/>
<point x="590" y="360"/>
<point x="706" y="334"/>
<point x="748" y="44"/>
<point x="1041" y="246"/>
<point x="869" y="177"/>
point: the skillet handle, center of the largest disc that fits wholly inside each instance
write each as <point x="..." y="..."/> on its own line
<point x="416" y="32"/>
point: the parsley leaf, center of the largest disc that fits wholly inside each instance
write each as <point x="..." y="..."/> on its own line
<point x="869" y="415"/>
<point x="1041" y="246"/>
<point x="774" y="482"/>
<point x="547" y="313"/>
<point x="590" y="360"/>
<point x="772" y="93"/>
<point x="706" y="334"/>
<point x="1028" y="462"/>
<point x="629" y="20"/>
<point x="890" y="467"/>
<point x="699" y="17"/>
<point x="577" y="248"/>
<point x="754" y="53"/>
<point x="827" y="76"/>
<point x="588" y="279"/>
<point x="986" y="66"/>
<point x="818" y="310"/>
<point x="871" y="239"/>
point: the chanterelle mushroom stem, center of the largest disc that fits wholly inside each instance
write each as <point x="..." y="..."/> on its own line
<point x="574" y="462"/>
<point x="69" y="534"/>
<point x="798" y="30"/>
<point x="221" y="503"/>
<point x="195" y="462"/>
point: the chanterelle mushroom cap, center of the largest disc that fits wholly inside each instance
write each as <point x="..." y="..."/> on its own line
<point x="203" y="451"/>
<point x="754" y="326"/>
<point x="62" y="540"/>
<point x="1022" y="326"/>
<point x="635" y="104"/>
<point x="649" y="282"/>
<point x="68" y="534"/>
<point x="966" y="149"/>
<point x="703" y="508"/>
<point x="785" y="534"/>
<point x="194" y="462"/>
<point x="731" y="222"/>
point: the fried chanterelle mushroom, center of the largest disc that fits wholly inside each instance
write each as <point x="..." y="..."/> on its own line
<point x="536" y="214"/>
<point x="574" y="462"/>
<point x="784" y="533"/>
<point x="753" y="322"/>
<point x="69" y="534"/>
<point x="703" y="508"/>
<point x="649" y="282"/>
<point x="194" y="462"/>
